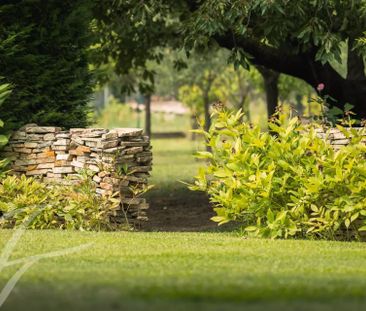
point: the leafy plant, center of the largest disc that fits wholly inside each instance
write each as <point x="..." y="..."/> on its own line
<point x="43" y="54"/>
<point x="288" y="182"/>
<point x="5" y="91"/>
<point x="65" y="206"/>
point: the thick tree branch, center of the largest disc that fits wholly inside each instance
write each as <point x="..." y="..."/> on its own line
<point x="272" y="58"/>
<point x="355" y="65"/>
<point x="302" y="66"/>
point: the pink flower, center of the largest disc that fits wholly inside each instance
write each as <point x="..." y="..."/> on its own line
<point x="320" y="87"/>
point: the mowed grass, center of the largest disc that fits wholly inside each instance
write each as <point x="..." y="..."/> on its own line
<point x="174" y="162"/>
<point x="121" y="115"/>
<point x="186" y="271"/>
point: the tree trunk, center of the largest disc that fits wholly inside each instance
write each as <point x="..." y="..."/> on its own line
<point x="270" y="78"/>
<point x="351" y="89"/>
<point x="194" y="126"/>
<point x="148" y="115"/>
<point x="206" y="101"/>
<point x="207" y="113"/>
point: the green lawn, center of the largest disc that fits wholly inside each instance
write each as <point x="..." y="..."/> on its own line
<point x="181" y="271"/>
<point x="184" y="270"/>
<point x="119" y="115"/>
<point x="173" y="161"/>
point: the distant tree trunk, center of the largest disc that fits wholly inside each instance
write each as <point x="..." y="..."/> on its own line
<point x="299" y="106"/>
<point x="244" y="108"/>
<point x="270" y="78"/>
<point x="207" y="113"/>
<point x="351" y="89"/>
<point x="148" y="115"/>
<point x="194" y="125"/>
<point x="206" y="101"/>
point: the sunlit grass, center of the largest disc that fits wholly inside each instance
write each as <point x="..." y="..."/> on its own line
<point x="120" y="115"/>
<point x="196" y="271"/>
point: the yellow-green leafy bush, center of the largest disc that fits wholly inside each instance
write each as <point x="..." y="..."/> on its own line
<point x="284" y="183"/>
<point x="40" y="206"/>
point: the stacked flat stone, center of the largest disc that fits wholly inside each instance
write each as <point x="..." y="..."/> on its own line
<point x="336" y="138"/>
<point x="119" y="160"/>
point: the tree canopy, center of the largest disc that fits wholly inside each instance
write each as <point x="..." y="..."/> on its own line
<point x="43" y="55"/>
<point x="299" y="38"/>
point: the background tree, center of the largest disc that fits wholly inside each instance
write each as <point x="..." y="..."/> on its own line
<point x="192" y="97"/>
<point x="43" y="54"/>
<point x="237" y="87"/>
<point x="300" y="38"/>
<point x="202" y="70"/>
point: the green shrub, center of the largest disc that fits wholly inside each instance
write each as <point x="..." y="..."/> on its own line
<point x="5" y="91"/>
<point x="43" y="54"/>
<point x="74" y="206"/>
<point x="284" y="183"/>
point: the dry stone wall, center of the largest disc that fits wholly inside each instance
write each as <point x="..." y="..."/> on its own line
<point x="118" y="159"/>
<point x="335" y="137"/>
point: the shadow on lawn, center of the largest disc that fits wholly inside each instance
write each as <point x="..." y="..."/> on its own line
<point x="174" y="207"/>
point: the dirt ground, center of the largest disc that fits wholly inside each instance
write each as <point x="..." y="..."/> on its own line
<point x="181" y="210"/>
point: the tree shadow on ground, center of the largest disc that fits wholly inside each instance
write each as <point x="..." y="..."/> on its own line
<point x="180" y="209"/>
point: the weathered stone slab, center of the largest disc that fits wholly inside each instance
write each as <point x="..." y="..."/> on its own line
<point x="23" y="150"/>
<point x="127" y="132"/>
<point x="42" y="129"/>
<point x="30" y="145"/>
<point x="49" y="136"/>
<point x="133" y="150"/>
<point x="107" y="144"/>
<point x="63" y="135"/>
<point x="36" y="172"/>
<point x="47" y="154"/>
<point x="110" y="135"/>
<point x="134" y="144"/>
<point x="63" y="170"/>
<point x="46" y="165"/>
<point x="64" y="157"/>
<point x="78" y="164"/>
<point x="80" y="150"/>
<point x="62" y="142"/>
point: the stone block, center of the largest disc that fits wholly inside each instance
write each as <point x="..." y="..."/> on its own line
<point x="34" y="137"/>
<point x="106" y="186"/>
<point x="110" y="135"/>
<point x="64" y="134"/>
<point x="42" y="129"/>
<point x="78" y="164"/>
<point x="30" y="145"/>
<point x="46" y="165"/>
<point x="37" y="172"/>
<point x="49" y="136"/>
<point x="93" y="168"/>
<point x="92" y="144"/>
<point x="133" y="150"/>
<point x="59" y="163"/>
<point x="47" y="154"/>
<point x="134" y="144"/>
<point x="80" y="150"/>
<point x="97" y="179"/>
<point x="107" y="144"/>
<point x="23" y="150"/>
<point x="63" y="170"/>
<point x="77" y="140"/>
<point x="127" y="132"/>
<point x="63" y="157"/>
<point x="114" y="150"/>
<point x="62" y="142"/>
<point x="60" y="148"/>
